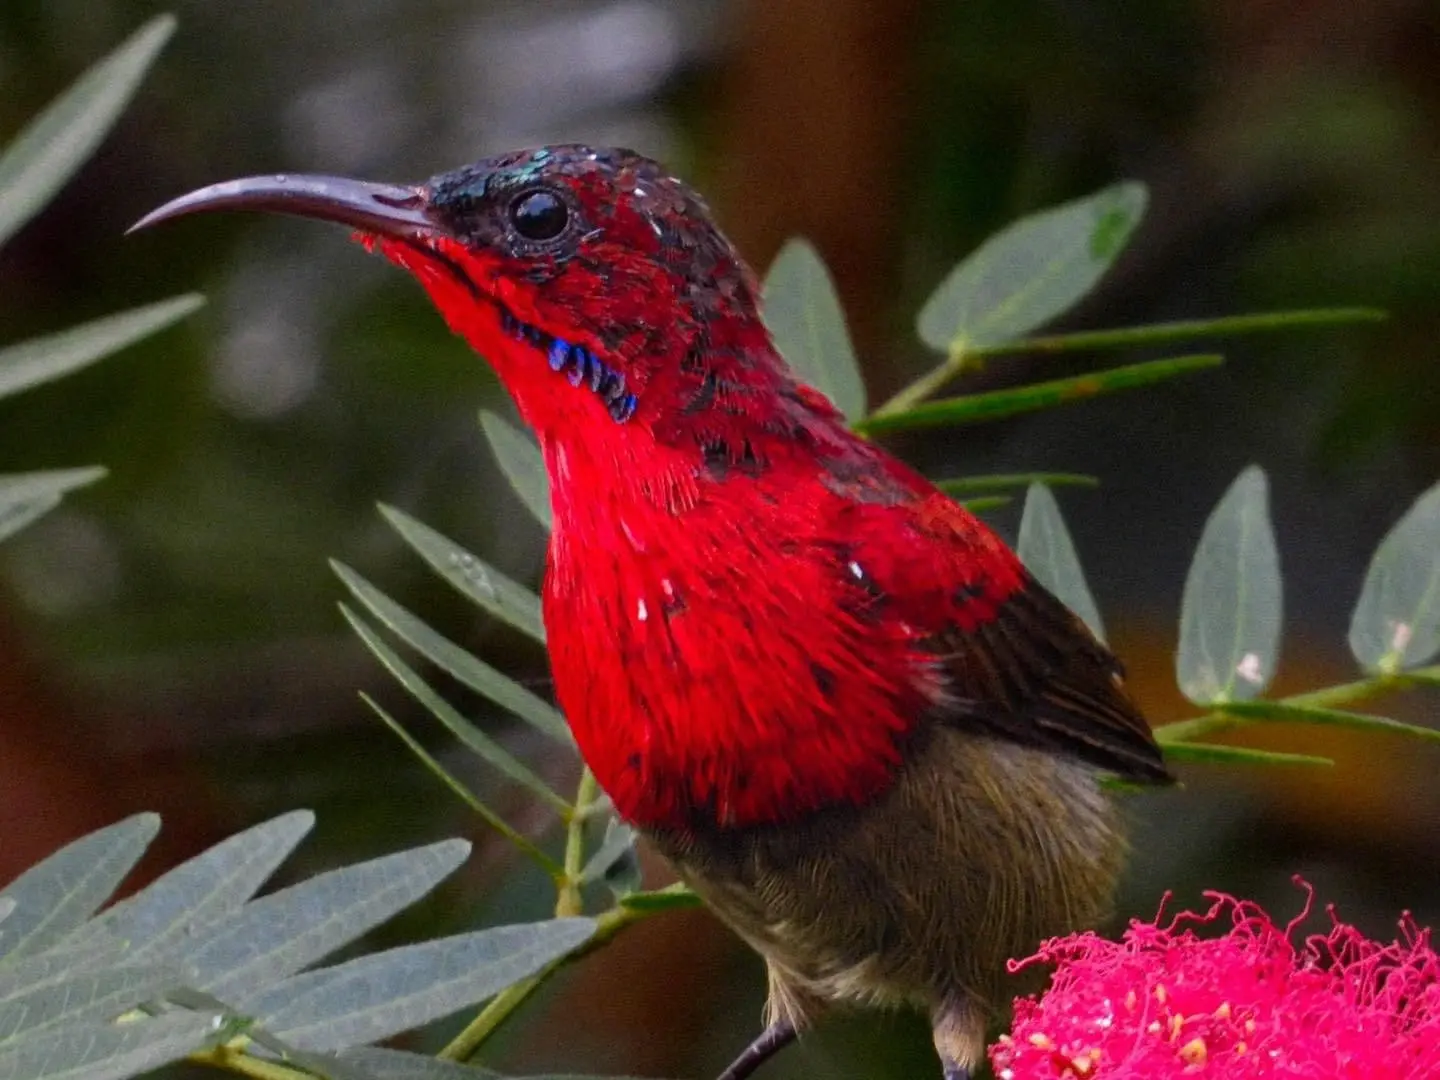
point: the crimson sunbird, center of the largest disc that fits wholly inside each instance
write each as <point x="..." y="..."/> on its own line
<point x="829" y="695"/>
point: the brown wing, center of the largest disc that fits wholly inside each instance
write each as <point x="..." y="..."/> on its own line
<point x="1036" y="675"/>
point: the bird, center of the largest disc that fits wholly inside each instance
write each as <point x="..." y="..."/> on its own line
<point x="831" y="697"/>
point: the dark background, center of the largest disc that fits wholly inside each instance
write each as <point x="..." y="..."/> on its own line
<point x="169" y="639"/>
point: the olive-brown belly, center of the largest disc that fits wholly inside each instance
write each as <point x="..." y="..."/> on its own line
<point x="980" y="850"/>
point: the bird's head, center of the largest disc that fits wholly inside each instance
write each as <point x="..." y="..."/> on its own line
<point x="596" y="284"/>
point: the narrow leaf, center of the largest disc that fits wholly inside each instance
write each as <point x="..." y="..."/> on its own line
<point x="17" y="516"/>
<point x="1031" y="271"/>
<point x="25" y="487"/>
<point x="482" y="744"/>
<point x="1396" y="623"/>
<point x="55" y="966"/>
<point x="278" y="935"/>
<point x="42" y="360"/>
<point x="1311" y="714"/>
<point x="998" y="404"/>
<point x="377" y="996"/>
<point x="964" y="485"/>
<point x="88" y="995"/>
<point x="57" y="895"/>
<point x="107" y="1051"/>
<point x="520" y="461"/>
<point x="475" y="578"/>
<point x="213" y="884"/>
<point x="57" y="142"/>
<point x="1189" y="330"/>
<point x="1231" y="610"/>
<point x="27" y="496"/>
<point x="807" y="322"/>
<point x="1045" y="547"/>
<point x="445" y="654"/>
<point x="986" y="502"/>
<point x="1215" y="754"/>
<point x="494" y="820"/>
<point x="402" y="1065"/>
<point x="327" y="1066"/>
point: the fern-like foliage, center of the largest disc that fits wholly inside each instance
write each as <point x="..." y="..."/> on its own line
<point x="35" y="166"/>
<point x="195" y="965"/>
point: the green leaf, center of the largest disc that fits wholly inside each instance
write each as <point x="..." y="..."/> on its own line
<point x="445" y="654"/>
<point x="1031" y="271"/>
<point x="519" y="459"/>
<point x="1188" y="330"/>
<point x="1045" y="547"/>
<point x="213" y="884"/>
<point x="675" y="897"/>
<point x="19" y="515"/>
<point x="473" y="577"/>
<point x="24" y="497"/>
<point x="107" y="1051"/>
<point x="482" y="744"/>
<point x="1396" y="623"/>
<point x="1312" y="714"/>
<point x="55" y="966"/>
<point x="55" y="896"/>
<point x="807" y="322"/>
<point x="1215" y="754"/>
<point x="998" y="404"/>
<point x="57" y="142"/>
<point x="986" y="502"/>
<point x="79" y="997"/>
<point x="325" y="1066"/>
<point x="964" y="485"/>
<point x="386" y="1064"/>
<point x="494" y="820"/>
<point x="1230" y="613"/>
<point x="377" y="996"/>
<point x="277" y="935"/>
<point x="44" y="359"/>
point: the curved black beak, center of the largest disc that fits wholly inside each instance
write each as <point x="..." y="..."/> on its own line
<point x="375" y="208"/>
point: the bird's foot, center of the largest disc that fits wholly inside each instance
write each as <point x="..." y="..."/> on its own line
<point x="959" y="1029"/>
<point x="766" y="1045"/>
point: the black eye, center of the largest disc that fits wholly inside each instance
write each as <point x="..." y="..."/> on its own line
<point x="539" y="215"/>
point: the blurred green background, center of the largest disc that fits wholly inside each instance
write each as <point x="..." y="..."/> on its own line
<point x="169" y="640"/>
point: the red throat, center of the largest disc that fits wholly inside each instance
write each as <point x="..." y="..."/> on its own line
<point x="719" y="642"/>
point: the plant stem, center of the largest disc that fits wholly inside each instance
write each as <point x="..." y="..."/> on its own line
<point x="569" y="901"/>
<point x="464" y="1045"/>
<point x="1327" y="697"/>
<point x="910" y="396"/>
<point x="1184" y="330"/>
<point x="962" y="356"/>
<point x="236" y="1060"/>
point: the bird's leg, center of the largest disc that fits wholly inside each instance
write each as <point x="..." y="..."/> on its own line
<point x="767" y="1044"/>
<point x="959" y="1030"/>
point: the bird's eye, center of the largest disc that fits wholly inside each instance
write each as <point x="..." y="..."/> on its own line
<point x="539" y="215"/>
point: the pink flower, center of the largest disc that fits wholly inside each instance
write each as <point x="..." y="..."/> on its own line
<point x="1164" y="1002"/>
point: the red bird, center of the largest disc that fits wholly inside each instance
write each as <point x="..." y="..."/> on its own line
<point x="835" y="700"/>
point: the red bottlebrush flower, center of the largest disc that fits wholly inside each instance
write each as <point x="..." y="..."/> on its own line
<point x="1166" y="1002"/>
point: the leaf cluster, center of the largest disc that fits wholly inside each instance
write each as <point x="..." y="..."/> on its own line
<point x="33" y="168"/>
